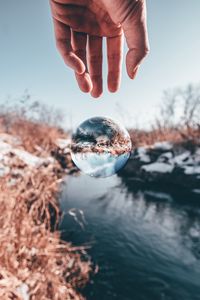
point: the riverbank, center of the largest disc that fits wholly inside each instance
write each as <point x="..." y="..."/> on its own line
<point x="35" y="262"/>
<point x="165" y="163"/>
<point x="34" y="159"/>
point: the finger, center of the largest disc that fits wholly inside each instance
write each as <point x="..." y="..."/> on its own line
<point x="63" y="43"/>
<point x="114" y="54"/>
<point x="95" y="64"/>
<point x="79" y="43"/>
<point x="135" y="30"/>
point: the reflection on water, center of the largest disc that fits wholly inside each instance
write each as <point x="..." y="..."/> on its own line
<point x="147" y="244"/>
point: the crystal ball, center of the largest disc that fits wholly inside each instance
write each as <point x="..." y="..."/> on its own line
<point x="100" y="147"/>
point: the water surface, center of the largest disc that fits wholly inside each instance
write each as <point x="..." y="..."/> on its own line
<point x="146" y="243"/>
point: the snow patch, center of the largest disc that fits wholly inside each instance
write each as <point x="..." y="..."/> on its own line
<point x="168" y="156"/>
<point x="158" y="167"/>
<point x="28" y="158"/>
<point x="23" y="291"/>
<point x="182" y="158"/>
<point x="192" y="170"/>
<point x="163" y="145"/>
<point x="5" y="148"/>
<point x="63" y="143"/>
<point x="142" y="155"/>
<point x="10" y="139"/>
<point x="159" y="195"/>
<point x="4" y="170"/>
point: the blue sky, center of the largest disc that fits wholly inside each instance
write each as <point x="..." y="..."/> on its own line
<point x="29" y="60"/>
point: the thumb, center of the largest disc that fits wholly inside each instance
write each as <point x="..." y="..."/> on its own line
<point x="135" y="31"/>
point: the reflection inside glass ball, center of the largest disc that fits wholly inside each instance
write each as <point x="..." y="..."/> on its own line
<point x="100" y="147"/>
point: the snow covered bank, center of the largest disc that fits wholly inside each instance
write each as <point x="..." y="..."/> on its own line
<point x="166" y="163"/>
<point x="12" y="151"/>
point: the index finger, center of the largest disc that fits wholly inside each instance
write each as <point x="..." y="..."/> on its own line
<point x="63" y="43"/>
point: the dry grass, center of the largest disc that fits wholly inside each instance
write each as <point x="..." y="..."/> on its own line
<point x="176" y="136"/>
<point x="31" y="251"/>
<point x="34" y="136"/>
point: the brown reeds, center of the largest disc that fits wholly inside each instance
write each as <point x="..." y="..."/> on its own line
<point x="175" y="136"/>
<point x="35" y="263"/>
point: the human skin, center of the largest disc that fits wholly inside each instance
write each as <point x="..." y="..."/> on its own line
<point x="80" y="26"/>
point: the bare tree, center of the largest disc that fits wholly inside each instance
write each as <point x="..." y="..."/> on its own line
<point x="191" y="107"/>
<point x="168" y="109"/>
<point x="180" y="109"/>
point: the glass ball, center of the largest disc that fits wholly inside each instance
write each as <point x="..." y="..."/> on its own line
<point x="100" y="147"/>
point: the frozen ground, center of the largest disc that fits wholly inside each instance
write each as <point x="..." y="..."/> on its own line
<point x="166" y="162"/>
<point x="11" y="149"/>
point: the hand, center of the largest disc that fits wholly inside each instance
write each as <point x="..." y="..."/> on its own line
<point x="80" y="26"/>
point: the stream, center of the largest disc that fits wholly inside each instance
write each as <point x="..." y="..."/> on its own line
<point x="146" y="243"/>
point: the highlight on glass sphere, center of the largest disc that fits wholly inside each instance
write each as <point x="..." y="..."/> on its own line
<point x="100" y="147"/>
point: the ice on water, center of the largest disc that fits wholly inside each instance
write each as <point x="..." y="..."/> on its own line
<point x="100" y="147"/>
